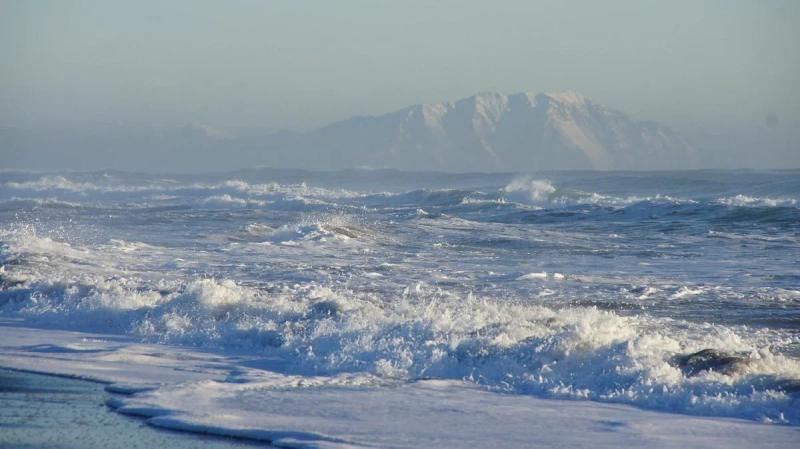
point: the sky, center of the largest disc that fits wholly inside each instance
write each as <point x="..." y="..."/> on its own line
<point x="272" y="65"/>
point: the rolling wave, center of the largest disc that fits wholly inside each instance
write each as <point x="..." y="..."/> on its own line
<point x="676" y="291"/>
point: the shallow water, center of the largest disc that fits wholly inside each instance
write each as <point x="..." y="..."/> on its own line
<point x="588" y="285"/>
<point x="39" y="411"/>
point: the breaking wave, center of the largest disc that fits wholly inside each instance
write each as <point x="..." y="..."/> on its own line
<point x="751" y="201"/>
<point x="674" y="291"/>
<point x="422" y="331"/>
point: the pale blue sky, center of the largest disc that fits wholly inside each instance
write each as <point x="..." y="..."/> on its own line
<point x="298" y="64"/>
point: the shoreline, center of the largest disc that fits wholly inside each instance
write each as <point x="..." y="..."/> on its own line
<point x="214" y="394"/>
<point x="45" y="410"/>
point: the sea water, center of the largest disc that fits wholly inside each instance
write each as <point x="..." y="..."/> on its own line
<point x="48" y="412"/>
<point x="675" y="291"/>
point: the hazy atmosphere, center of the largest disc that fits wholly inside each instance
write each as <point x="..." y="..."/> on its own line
<point x="87" y="84"/>
<point x="411" y="224"/>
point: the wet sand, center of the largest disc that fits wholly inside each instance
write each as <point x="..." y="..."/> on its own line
<point x="41" y="411"/>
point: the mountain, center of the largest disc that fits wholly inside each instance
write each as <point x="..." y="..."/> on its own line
<point x="488" y="132"/>
<point x="484" y="132"/>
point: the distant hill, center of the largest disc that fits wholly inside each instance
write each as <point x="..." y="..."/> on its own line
<point x="488" y="132"/>
<point x="484" y="132"/>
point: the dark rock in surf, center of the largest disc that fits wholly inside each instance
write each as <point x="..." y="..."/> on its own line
<point x="325" y="308"/>
<point x="709" y="360"/>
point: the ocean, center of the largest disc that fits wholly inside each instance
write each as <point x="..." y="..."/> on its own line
<point x="670" y="291"/>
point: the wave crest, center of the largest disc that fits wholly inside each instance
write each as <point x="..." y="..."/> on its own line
<point x="424" y="331"/>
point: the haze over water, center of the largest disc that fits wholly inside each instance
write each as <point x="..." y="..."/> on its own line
<point x="196" y="86"/>
<point x="361" y="224"/>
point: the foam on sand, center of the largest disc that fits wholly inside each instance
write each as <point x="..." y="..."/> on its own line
<point x="216" y="299"/>
<point x="574" y="352"/>
<point x="232" y="394"/>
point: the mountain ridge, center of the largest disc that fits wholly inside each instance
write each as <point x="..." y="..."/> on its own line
<point x="486" y="132"/>
<point x="492" y="131"/>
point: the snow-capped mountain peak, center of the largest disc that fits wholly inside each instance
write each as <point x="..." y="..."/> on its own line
<point x="491" y="131"/>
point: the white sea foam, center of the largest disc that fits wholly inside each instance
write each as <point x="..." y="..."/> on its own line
<point x="424" y="331"/>
<point x="542" y="193"/>
<point x="233" y="394"/>
<point x="228" y="200"/>
<point x="53" y="183"/>
<point x="493" y="284"/>
<point x="685" y="291"/>
<point x="529" y="191"/>
<point x="522" y="190"/>
<point x="536" y="275"/>
<point x="48" y="201"/>
<point x="754" y="201"/>
<point x="161" y="189"/>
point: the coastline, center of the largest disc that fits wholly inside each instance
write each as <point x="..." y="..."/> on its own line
<point x="55" y="411"/>
<point x="208" y="392"/>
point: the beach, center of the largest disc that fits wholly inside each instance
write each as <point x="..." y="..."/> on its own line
<point x="397" y="310"/>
